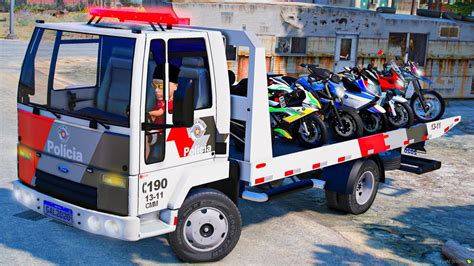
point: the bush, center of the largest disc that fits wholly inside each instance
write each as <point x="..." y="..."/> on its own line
<point x="464" y="9"/>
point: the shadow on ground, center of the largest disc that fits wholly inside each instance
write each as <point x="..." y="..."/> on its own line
<point x="419" y="233"/>
<point x="48" y="240"/>
<point x="335" y="255"/>
<point x="43" y="238"/>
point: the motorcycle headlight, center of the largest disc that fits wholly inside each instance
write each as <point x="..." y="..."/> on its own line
<point x="340" y="92"/>
<point x="400" y="83"/>
<point x="311" y="106"/>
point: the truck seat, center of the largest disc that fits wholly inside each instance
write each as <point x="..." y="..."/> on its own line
<point x="113" y="95"/>
<point x="193" y="68"/>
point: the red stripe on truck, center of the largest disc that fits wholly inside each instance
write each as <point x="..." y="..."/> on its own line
<point x="33" y="132"/>
<point x="372" y="144"/>
<point x="289" y="172"/>
<point x="259" y="180"/>
<point x="260" y="165"/>
<point x="316" y="165"/>
<point x="341" y="159"/>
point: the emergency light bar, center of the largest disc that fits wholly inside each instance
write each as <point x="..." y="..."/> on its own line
<point x="161" y="16"/>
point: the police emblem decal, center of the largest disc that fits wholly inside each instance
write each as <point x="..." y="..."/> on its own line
<point x="63" y="134"/>
<point x="198" y="130"/>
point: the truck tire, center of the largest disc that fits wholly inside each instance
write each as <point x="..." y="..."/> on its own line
<point x="208" y="229"/>
<point x="363" y="193"/>
<point x="391" y="160"/>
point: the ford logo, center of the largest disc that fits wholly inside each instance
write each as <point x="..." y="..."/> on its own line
<point x="63" y="169"/>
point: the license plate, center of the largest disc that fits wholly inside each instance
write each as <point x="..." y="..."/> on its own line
<point x="57" y="212"/>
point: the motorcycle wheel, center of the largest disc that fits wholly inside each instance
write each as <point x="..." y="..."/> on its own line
<point x="318" y="133"/>
<point x="353" y="127"/>
<point x="373" y="122"/>
<point x="404" y="117"/>
<point x="435" y="103"/>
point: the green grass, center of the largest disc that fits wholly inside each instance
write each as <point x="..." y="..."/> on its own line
<point x="25" y="21"/>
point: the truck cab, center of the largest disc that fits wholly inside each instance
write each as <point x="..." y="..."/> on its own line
<point x="111" y="128"/>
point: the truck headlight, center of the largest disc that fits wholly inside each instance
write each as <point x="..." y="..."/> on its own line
<point x="94" y="223"/>
<point x="25" y="153"/>
<point x="340" y="92"/>
<point x="113" y="228"/>
<point x="115" y="180"/>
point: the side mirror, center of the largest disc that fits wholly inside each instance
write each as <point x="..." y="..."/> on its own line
<point x="183" y="104"/>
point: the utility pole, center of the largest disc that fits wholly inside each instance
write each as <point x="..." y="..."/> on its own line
<point x="413" y="7"/>
<point x="11" y="33"/>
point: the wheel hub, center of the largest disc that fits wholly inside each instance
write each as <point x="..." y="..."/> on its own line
<point x="401" y="116"/>
<point x="365" y="187"/>
<point x="345" y="127"/>
<point x="205" y="229"/>
<point x="311" y="134"/>
<point x="432" y="104"/>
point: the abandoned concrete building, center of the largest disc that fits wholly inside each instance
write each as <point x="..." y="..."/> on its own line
<point x="334" y="37"/>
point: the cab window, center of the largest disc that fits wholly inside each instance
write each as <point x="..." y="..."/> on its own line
<point x="156" y="104"/>
<point x="78" y="74"/>
<point x="187" y="61"/>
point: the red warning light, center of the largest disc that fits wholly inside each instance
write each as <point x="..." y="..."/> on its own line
<point x="164" y="16"/>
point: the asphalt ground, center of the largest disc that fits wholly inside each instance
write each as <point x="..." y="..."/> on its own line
<point x="410" y="219"/>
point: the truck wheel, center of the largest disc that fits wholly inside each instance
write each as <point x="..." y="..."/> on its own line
<point x="209" y="226"/>
<point x="363" y="193"/>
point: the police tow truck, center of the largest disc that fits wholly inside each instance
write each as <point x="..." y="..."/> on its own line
<point x="124" y="131"/>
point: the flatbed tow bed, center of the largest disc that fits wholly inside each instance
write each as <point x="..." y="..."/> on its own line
<point x="287" y="165"/>
<point x="95" y="173"/>
<point x="308" y="160"/>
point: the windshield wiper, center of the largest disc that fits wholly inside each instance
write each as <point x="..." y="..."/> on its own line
<point x="93" y="119"/>
<point x="46" y="108"/>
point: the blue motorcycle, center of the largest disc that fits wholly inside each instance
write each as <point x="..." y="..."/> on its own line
<point x="344" y="121"/>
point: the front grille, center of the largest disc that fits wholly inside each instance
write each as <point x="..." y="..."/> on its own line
<point x="69" y="191"/>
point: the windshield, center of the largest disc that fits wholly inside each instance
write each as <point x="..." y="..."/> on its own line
<point x="395" y="67"/>
<point x="77" y="74"/>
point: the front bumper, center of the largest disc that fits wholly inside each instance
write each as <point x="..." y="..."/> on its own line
<point x="124" y="228"/>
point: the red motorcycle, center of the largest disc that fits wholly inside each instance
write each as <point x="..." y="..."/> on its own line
<point x="427" y="104"/>
<point x="389" y="79"/>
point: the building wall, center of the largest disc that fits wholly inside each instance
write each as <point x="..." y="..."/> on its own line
<point x="449" y="62"/>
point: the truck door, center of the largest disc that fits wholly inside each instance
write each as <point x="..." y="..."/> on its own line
<point x="346" y="51"/>
<point x="170" y="64"/>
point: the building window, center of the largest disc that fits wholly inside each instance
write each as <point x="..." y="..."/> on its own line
<point x="290" y="45"/>
<point x="345" y="50"/>
<point x="414" y="48"/>
<point x="449" y="32"/>
<point x="231" y="52"/>
<point x="227" y="17"/>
